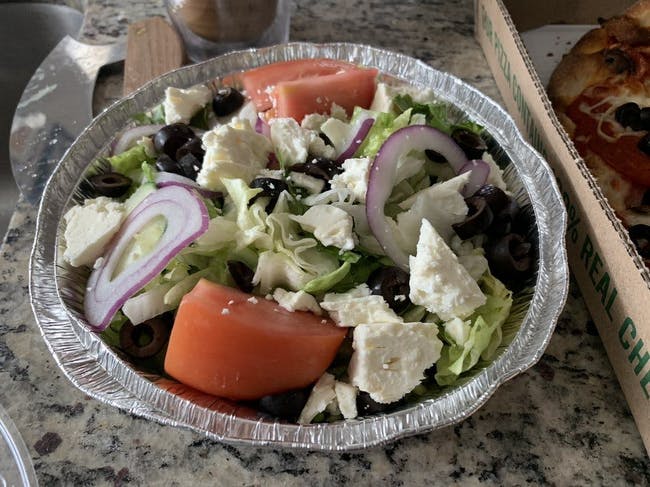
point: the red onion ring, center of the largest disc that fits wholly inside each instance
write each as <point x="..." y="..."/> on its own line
<point x="187" y="218"/>
<point x="261" y="127"/>
<point x="382" y="177"/>
<point x="479" y="172"/>
<point x="164" y="179"/>
<point x="129" y="137"/>
<point x="363" y="127"/>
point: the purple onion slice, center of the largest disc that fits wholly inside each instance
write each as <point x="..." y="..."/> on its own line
<point x="363" y="126"/>
<point x="382" y="178"/>
<point x="479" y="171"/>
<point x="129" y="137"/>
<point x="186" y="219"/>
<point x="164" y="179"/>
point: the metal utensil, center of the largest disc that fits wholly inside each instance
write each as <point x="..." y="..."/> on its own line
<point x="53" y="110"/>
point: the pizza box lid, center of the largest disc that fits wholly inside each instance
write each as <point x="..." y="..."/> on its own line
<point x="523" y="42"/>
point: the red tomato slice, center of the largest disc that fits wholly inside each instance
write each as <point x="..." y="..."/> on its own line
<point x="259" y="81"/>
<point x="354" y="87"/>
<point x="227" y="343"/>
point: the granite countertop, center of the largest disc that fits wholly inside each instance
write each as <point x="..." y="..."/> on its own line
<point x="563" y="422"/>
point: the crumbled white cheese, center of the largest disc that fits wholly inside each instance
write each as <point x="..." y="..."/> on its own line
<point x="470" y="258"/>
<point x="329" y="224"/>
<point x="338" y="112"/>
<point x="346" y="397"/>
<point x="313" y="121"/>
<point x="296" y="301"/>
<point x="389" y="359"/>
<point x="232" y="151"/>
<point x="495" y="178"/>
<point x="182" y="104"/>
<point x="89" y="228"/>
<point x="290" y="140"/>
<point x="310" y="183"/>
<point x="352" y="311"/>
<point x="321" y="396"/>
<point x="438" y="281"/>
<point x="354" y="177"/>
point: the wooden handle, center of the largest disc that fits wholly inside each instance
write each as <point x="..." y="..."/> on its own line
<point x="153" y="48"/>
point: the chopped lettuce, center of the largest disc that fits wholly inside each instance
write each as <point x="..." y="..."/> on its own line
<point x="130" y="159"/>
<point x="468" y="341"/>
<point x="385" y="124"/>
<point x="437" y="114"/>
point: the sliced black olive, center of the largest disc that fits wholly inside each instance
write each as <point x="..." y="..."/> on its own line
<point x="618" y="62"/>
<point x="504" y="221"/>
<point x="146" y="339"/>
<point x="242" y="275"/>
<point x="495" y="197"/>
<point x="165" y="163"/>
<point x="171" y="137"/>
<point x="226" y="101"/>
<point x="325" y="138"/>
<point x="435" y="156"/>
<point x="287" y="405"/>
<point x="479" y="218"/>
<point x="271" y="188"/>
<point x="644" y="144"/>
<point x="190" y="165"/>
<point x="629" y="115"/>
<point x="510" y="256"/>
<point x="367" y="406"/>
<point x="111" y="184"/>
<point x="391" y="283"/>
<point x="473" y="146"/>
<point x="318" y="167"/>
<point x="644" y="117"/>
<point x="192" y="146"/>
<point x="640" y="235"/>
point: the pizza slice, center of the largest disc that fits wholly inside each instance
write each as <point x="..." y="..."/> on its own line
<point x="601" y="94"/>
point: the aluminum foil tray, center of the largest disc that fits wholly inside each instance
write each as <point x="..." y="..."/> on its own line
<point x="57" y="290"/>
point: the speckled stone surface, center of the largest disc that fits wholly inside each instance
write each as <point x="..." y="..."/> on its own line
<point x="563" y="422"/>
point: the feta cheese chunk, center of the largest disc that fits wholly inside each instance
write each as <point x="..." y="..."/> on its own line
<point x="438" y="281"/>
<point x="296" y="301"/>
<point x="311" y="184"/>
<point x="322" y="395"/>
<point x="389" y="359"/>
<point x="89" y="228"/>
<point x="182" y="104"/>
<point x="349" y="310"/>
<point x="495" y="178"/>
<point x="290" y="140"/>
<point x="441" y="204"/>
<point x="232" y="151"/>
<point x="346" y="397"/>
<point x="329" y="224"/>
<point x="354" y="177"/>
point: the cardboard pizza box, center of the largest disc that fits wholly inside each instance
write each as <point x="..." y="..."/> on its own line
<point x="611" y="275"/>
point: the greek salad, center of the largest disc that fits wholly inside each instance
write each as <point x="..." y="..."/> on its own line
<point x="303" y="237"/>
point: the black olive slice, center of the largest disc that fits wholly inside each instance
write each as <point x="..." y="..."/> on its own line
<point x="391" y="283"/>
<point x="644" y="117"/>
<point x="644" y="144"/>
<point x="473" y="146"/>
<point x="271" y="188"/>
<point x="478" y="219"/>
<point x="192" y="146"/>
<point x="226" y="101"/>
<point x="164" y="163"/>
<point x="367" y="406"/>
<point x="640" y="235"/>
<point x="435" y="156"/>
<point x="495" y="197"/>
<point x="510" y="256"/>
<point x="242" y="275"/>
<point x="504" y="220"/>
<point x="318" y="167"/>
<point x="190" y="165"/>
<point x="628" y="115"/>
<point x="111" y="184"/>
<point x="146" y="339"/>
<point x="287" y="405"/>
<point x="171" y="137"/>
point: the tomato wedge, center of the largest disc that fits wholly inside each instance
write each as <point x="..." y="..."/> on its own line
<point x="234" y="345"/>
<point x="259" y="81"/>
<point x="355" y="87"/>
